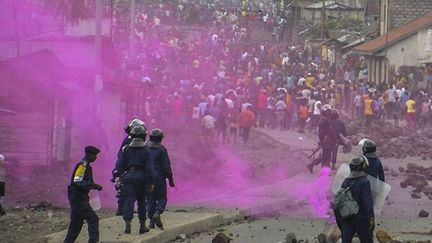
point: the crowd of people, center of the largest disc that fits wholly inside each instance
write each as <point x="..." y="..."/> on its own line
<point x="212" y="73"/>
<point x="218" y="78"/>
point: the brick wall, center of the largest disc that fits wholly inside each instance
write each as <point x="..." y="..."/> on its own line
<point x="403" y="11"/>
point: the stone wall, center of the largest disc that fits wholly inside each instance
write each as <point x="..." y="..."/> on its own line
<point x="404" y="11"/>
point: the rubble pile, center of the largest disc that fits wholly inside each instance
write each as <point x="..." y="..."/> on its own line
<point x="417" y="178"/>
<point x="393" y="142"/>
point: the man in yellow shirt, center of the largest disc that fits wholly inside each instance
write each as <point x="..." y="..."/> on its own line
<point x="368" y="110"/>
<point x="310" y="80"/>
<point x="411" y="113"/>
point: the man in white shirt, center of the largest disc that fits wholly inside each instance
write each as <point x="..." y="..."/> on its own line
<point x="209" y="124"/>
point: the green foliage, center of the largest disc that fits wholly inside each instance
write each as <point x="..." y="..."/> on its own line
<point x="347" y="23"/>
<point x="335" y="24"/>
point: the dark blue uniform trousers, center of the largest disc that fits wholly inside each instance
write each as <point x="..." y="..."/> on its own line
<point x="356" y="225"/>
<point x="80" y="211"/>
<point x="134" y="190"/>
<point x="157" y="200"/>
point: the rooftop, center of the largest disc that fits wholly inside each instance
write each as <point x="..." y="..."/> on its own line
<point x="394" y="36"/>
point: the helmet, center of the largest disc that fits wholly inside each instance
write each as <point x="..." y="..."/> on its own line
<point x="326" y="109"/>
<point x="359" y="164"/>
<point x="133" y="123"/>
<point x="334" y="114"/>
<point x="138" y="132"/>
<point x="156" y="135"/>
<point x="369" y="148"/>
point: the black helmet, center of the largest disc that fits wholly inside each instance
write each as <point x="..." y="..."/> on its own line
<point x="369" y="148"/>
<point x="138" y="132"/>
<point x="334" y="114"/>
<point x="156" y="135"/>
<point x="326" y="110"/>
<point x="133" y="123"/>
<point x="358" y="165"/>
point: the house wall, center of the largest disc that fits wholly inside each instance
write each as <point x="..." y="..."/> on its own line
<point x="314" y="15"/>
<point x="424" y="46"/>
<point x="403" y="53"/>
<point x="402" y="12"/>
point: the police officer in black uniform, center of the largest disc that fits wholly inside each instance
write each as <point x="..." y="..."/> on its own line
<point x="137" y="178"/>
<point x="338" y="129"/>
<point x="375" y="168"/>
<point x="78" y="190"/>
<point x="158" y="198"/>
<point x="116" y="176"/>
<point x="363" y="223"/>
<point x="326" y="139"/>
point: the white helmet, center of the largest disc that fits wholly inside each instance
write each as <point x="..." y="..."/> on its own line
<point x="326" y="107"/>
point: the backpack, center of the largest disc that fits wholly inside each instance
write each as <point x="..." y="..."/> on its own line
<point x="344" y="203"/>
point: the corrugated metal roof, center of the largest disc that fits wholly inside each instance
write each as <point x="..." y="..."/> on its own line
<point x="330" y="5"/>
<point x="395" y="35"/>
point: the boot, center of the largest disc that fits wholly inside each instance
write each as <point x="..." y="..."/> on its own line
<point x="151" y="224"/>
<point x="143" y="228"/>
<point x="157" y="219"/>
<point x="127" y="227"/>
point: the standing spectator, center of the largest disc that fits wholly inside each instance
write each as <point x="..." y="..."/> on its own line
<point x="246" y="120"/>
<point x="358" y="106"/>
<point x="261" y="107"/>
<point x="233" y="125"/>
<point x="368" y="110"/>
<point x="302" y="116"/>
<point x="208" y="123"/>
<point x="410" y="112"/>
<point x="280" y="112"/>
<point x="425" y="113"/>
<point x="221" y="121"/>
<point x="2" y="183"/>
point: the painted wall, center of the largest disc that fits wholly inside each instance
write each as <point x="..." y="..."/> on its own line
<point x="403" y="53"/>
<point x="424" y="46"/>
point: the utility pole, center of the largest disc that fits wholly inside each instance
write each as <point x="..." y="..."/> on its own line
<point x="98" y="50"/>
<point x="323" y="17"/>
<point x="386" y="21"/>
<point x="98" y="34"/>
<point x="294" y="28"/>
<point x="132" y="32"/>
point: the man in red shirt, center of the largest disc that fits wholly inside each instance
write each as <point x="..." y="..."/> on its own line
<point x="246" y="120"/>
<point x="261" y="107"/>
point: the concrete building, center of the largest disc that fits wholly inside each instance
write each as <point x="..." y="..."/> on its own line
<point x="395" y="13"/>
<point x="407" y="45"/>
<point x="333" y="9"/>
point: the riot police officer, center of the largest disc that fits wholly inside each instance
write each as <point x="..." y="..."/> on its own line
<point x="137" y="178"/>
<point x="158" y="198"/>
<point x="363" y="223"/>
<point x="338" y="129"/>
<point x="326" y="138"/>
<point x="116" y="176"/>
<point x="375" y="168"/>
<point x="78" y="190"/>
